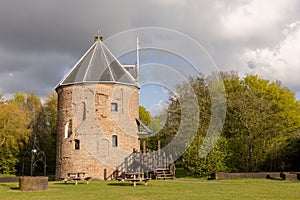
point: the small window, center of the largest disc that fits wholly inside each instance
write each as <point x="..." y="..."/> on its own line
<point x="114" y="141"/>
<point x="77" y="144"/>
<point x="114" y="107"/>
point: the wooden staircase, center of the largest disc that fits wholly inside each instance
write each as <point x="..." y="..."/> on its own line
<point x="163" y="174"/>
<point x="150" y="164"/>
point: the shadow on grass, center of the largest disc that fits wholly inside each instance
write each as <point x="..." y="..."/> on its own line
<point x="124" y="184"/>
<point x="276" y="179"/>
<point x="11" y="187"/>
<point x="68" y="183"/>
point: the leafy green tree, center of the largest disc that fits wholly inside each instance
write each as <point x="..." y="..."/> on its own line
<point x="144" y="115"/>
<point x="146" y="118"/>
<point x="155" y="124"/>
<point x="43" y="130"/>
<point x="245" y="121"/>
<point x="179" y="116"/>
<point x="262" y="122"/>
<point x="20" y="99"/>
<point x="261" y="116"/>
<point x="283" y="122"/>
<point x="213" y="162"/>
<point x="14" y="133"/>
<point x="30" y="103"/>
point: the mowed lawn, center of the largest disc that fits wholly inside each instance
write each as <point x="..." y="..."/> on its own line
<point x="173" y="189"/>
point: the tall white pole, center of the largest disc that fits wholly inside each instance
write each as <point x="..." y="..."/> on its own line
<point x="137" y="59"/>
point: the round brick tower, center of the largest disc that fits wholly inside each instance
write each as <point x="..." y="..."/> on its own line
<point x="97" y="112"/>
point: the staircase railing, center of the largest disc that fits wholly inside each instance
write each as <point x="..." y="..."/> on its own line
<point x="141" y="162"/>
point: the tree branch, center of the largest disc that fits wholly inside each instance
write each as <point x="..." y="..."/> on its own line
<point x="2" y="141"/>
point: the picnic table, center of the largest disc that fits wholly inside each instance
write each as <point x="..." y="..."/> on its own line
<point x="77" y="176"/>
<point x="134" y="177"/>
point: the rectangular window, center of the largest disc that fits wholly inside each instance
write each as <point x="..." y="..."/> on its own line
<point x="114" y="141"/>
<point x="77" y="144"/>
<point x="114" y="107"/>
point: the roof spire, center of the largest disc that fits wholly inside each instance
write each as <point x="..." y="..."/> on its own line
<point x="98" y="65"/>
<point x="98" y="37"/>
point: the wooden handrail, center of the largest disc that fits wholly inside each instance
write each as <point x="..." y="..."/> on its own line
<point x="138" y="162"/>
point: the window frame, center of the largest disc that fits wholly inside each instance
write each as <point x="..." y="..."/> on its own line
<point x="77" y="144"/>
<point x="114" y="140"/>
<point x="114" y="107"/>
<point x="68" y="129"/>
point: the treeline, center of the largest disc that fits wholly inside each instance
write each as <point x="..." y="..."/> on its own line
<point x="23" y="118"/>
<point x="261" y="130"/>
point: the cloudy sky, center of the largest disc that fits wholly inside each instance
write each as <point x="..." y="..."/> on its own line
<point x="40" y="40"/>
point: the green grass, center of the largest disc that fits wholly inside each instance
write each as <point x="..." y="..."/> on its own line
<point x="182" y="188"/>
<point x="180" y="172"/>
<point x="6" y="175"/>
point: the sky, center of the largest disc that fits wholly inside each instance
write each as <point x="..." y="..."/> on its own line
<point x="41" y="40"/>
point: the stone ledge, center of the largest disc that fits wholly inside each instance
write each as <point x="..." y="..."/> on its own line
<point x="9" y="179"/>
<point x="264" y="175"/>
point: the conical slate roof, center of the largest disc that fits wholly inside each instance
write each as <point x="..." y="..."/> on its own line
<point x="98" y="65"/>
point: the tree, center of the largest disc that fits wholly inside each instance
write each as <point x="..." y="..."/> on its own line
<point x="188" y="114"/>
<point x="23" y="118"/>
<point x="213" y="162"/>
<point x="262" y="123"/>
<point x="1" y="99"/>
<point x="14" y="134"/>
<point x="256" y="123"/>
<point x="30" y="103"/>
<point x="44" y="131"/>
<point x="245" y="121"/>
<point x="155" y="124"/>
<point x="146" y="118"/>
<point x="144" y="115"/>
<point x="48" y="128"/>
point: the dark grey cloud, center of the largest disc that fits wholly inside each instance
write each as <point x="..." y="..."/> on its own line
<point x="40" y="40"/>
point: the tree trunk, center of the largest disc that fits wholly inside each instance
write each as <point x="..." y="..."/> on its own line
<point x="250" y="152"/>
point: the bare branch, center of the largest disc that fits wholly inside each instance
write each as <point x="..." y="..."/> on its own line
<point x="2" y="141"/>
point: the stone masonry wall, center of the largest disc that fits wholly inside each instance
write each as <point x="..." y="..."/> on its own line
<point x="85" y="117"/>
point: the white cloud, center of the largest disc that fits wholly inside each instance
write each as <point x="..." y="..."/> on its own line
<point x="254" y="18"/>
<point x="282" y="62"/>
<point x="158" y="108"/>
<point x="37" y="46"/>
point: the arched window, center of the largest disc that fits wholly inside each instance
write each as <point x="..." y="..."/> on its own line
<point x="68" y="129"/>
<point x="82" y="108"/>
<point x="114" y="141"/>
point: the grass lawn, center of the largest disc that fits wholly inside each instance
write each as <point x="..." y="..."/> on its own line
<point x="182" y="188"/>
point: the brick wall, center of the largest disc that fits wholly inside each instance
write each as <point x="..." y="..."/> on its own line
<point x="87" y="107"/>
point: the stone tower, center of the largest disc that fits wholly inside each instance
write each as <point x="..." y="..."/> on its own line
<point x="97" y="112"/>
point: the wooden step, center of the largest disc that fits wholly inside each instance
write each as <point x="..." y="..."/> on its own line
<point x="163" y="174"/>
<point x="161" y="169"/>
<point x="169" y="174"/>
